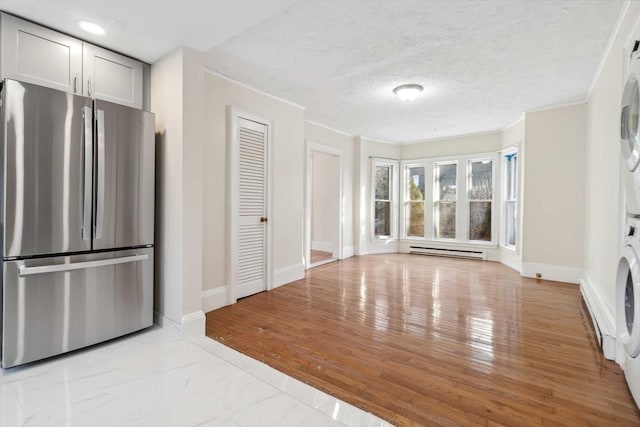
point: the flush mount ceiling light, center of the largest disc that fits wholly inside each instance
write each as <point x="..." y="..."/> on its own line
<point x="92" y="28"/>
<point x="408" y="92"/>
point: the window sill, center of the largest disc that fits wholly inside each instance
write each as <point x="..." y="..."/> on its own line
<point x="513" y="250"/>
<point x="383" y="240"/>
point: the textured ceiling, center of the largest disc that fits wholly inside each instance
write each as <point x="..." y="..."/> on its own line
<point x="482" y="63"/>
<point x="149" y="29"/>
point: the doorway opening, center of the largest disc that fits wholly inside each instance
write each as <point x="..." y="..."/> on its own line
<point x="324" y="203"/>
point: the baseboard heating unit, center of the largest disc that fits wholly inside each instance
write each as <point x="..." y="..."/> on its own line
<point x="456" y="253"/>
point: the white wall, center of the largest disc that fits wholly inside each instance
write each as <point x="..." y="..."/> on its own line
<point x="603" y="223"/>
<point x="325" y="202"/>
<point x="288" y="179"/>
<point x="466" y="144"/>
<point x="513" y="135"/>
<point x="554" y="193"/>
<point x="166" y="103"/>
<point x="334" y="140"/>
<point x="177" y="100"/>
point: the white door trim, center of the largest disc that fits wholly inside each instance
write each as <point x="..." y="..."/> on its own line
<point x="233" y="204"/>
<point x="318" y="148"/>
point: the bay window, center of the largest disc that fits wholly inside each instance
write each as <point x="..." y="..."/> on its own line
<point x="449" y="200"/>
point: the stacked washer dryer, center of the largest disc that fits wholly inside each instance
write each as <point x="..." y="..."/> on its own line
<point x="628" y="276"/>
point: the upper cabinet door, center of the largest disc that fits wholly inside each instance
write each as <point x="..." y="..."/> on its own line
<point x="112" y="77"/>
<point x="34" y="54"/>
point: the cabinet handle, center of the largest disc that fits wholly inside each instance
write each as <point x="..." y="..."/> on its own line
<point x="75" y="84"/>
<point x="89" y="86"/>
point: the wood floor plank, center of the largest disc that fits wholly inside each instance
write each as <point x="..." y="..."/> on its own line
<point x="433" y="341"/>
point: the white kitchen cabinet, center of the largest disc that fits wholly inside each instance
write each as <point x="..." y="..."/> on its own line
<point x="112" y="77"/>
<point x="39" y="55"/>
<point x="34" y="54"/>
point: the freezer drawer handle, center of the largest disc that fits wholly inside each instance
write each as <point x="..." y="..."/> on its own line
<point x="27" y="271"/>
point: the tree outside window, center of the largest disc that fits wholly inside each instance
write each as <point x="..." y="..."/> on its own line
<point x="415" y="201"/>
<point x="382" y="204"/>
<point x="445" y="199"/>
<point x="480" y="199"/>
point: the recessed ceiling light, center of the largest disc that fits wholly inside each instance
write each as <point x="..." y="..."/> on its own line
<point x="92" y="28"/>
<point x="408" y="92"/>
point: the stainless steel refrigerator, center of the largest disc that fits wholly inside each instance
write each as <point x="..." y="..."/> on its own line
<point x="77" y="221"/>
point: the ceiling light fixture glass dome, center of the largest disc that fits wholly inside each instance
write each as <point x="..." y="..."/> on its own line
<point x="408" y="92"/>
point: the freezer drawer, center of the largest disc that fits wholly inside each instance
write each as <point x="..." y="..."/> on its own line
<point x="55" y="305"/>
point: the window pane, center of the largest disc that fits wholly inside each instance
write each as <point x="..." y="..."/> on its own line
<point x="480" y="221"/>
<point x="511" y="224"/>
<point x="383" y="219"/>
<point x="446" y="181"/>
<point x="512" y="165"/>
<point x="382" y="182"/>
<point x="445" y="220"/>
<point x="415" y="179"/>
<point x="480" y="182"/>
<point x="415" y="219"/>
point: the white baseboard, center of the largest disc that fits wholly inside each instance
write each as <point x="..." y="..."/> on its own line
<point x="288" y="274"/>
<point x="602" y="318"/>
<point x="193" y="325"/>
<point x="322" y="246"/>
<point x="556" y="273"/>
<point x="348" y="251"/>
<point x="215" y="298"/>
<point x="380" y="251"/>
<point x="382" y="247"/>
<point x="510" y="259"/>
<point x="169" y="325"/>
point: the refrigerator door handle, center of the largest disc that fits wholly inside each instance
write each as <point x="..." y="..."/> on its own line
<point x="100" y="178"/>
<point x="28" y="271"/>
<point x="87" y="118"/>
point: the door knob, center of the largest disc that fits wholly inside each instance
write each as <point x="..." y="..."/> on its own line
<point x="263" y="219"/>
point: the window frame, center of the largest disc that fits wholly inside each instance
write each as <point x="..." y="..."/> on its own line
<point x="406" y="199"/>
<point x="505" y="155"/>
<point x="393" y="199"/>
<point x="462" y="201"/>
<point x="435" y="185"/>
<point x="468" y="200"/>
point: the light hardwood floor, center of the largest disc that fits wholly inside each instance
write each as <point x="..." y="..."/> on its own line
<point x="317" y="256"/>
<point x="422" y="340"/>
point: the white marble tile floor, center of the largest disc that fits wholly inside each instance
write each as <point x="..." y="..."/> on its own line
<point x="155" y="378"/>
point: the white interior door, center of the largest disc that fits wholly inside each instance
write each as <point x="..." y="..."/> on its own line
<point x="252" y="207"/>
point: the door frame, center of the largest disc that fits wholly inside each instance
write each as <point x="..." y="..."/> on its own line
<point x="233" y="203"/>
<point x="335" y="152"/>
